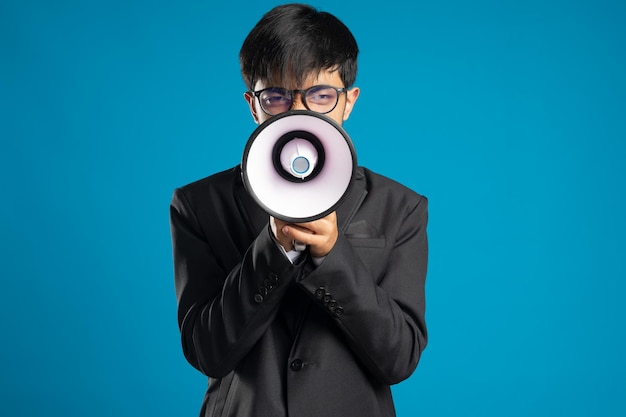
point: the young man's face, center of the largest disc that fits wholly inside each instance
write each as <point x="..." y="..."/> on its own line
<point x="326" y="77"/>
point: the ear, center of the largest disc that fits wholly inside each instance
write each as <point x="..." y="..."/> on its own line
<point x="351" y="96"/>
<point x="249" y="97"/>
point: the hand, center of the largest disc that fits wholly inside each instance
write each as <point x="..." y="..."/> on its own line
<point x="320" y="235"/>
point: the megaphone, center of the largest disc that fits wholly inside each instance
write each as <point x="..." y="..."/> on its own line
<point x="299" y="165"/>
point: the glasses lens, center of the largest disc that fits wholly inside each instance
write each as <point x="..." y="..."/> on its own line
<point x="275" y="100"/>
<point x="321" y="99"/>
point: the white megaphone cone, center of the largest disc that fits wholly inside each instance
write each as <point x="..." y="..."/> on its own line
<point x="299" y="165"/>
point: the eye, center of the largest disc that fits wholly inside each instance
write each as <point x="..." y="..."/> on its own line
<point x="321" y="95"/>
<point x="275" y="97"/>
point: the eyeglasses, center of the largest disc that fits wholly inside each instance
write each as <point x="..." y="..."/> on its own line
<point x="319" y="98"/>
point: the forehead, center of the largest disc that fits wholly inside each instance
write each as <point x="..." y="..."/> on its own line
<point x="328" y="77"/>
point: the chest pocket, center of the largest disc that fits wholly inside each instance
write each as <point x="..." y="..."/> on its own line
<point x="366" y="241"/>
<point x="361" y="234"/>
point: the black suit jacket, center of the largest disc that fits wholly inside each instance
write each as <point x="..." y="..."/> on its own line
<point x="278" y="339"/>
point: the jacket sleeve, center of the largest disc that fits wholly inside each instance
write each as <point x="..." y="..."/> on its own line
<point x="222" y="313"/>
<point x="382" y="318"/>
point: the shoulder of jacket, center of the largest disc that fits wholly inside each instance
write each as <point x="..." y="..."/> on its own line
<point x="221" y="180"/>
<point x="377" y="183"/>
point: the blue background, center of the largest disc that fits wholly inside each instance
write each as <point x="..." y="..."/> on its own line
<point x="509" y="116"/>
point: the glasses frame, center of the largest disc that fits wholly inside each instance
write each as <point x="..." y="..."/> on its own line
<point x="302" y="93"/>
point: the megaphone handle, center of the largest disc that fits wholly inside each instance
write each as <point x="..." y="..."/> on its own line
<point x="300" y="247"/>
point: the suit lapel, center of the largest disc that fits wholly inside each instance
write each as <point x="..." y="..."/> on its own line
<point x="353" y="201"/>
<point x="254" y="216"/>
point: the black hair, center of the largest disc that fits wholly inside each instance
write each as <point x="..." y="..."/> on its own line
<point x="292" y="41"/>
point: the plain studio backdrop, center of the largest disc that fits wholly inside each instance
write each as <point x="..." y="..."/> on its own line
<point x="508" y="115"/>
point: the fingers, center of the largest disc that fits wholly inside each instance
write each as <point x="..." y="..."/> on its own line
<point x="320" y="235"/>
<point x="277" y="227"/>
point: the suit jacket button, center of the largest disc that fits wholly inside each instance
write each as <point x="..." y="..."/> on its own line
<point x="273" y="277"/>
<point x="327" y="298"/>
<point x="258" y="298"/>
<point x="296" y="365"/>
<point x="338" y="312"/>
<point x="319" y="293"/>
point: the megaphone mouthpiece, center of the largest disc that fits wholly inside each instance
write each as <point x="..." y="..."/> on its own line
<point x="298" y="157"/>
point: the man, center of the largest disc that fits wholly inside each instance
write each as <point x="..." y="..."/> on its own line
<point x="323" y="332"/>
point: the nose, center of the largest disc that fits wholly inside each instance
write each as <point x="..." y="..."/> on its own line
<point x="298" y="102"/>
